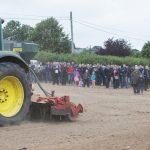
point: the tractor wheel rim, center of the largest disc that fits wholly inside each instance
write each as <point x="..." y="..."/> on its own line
<point x="11" y="96"/>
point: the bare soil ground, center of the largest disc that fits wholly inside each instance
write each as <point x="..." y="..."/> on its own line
<point x="112" y="120"/>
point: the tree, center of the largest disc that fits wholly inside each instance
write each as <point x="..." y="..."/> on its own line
<point x="118" y="47"/>
<point x="136" y="53"/>
<point x="100" y="51"/>
<point x="50" y="36"/>
<point x="11" y="30"/>
<point x="14" y="30"/>
<point x="146" y="50"/>
<point x="25" y="33"/>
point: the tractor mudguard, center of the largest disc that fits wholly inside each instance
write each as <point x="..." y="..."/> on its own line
<point x="8" y="56"/>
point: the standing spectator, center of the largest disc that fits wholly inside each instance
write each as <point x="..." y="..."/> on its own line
<point x="129" y="71"/>
<point x="100" y="71"/>
<point x="141" y="84"/>
<point x="107" y="73"/>
<point x="80" y="82"/>
<point x="76" y="77"/>
<point x="135" y="78"/>
<point x="146" y="77"/>
<point x="116" y="78"/>
<point x="56" y="75"/>
<point x="112" y="67"/>
<point x="33" y="80"/>
<point x="103" y="75"/>
<point x="47" y="72"/>
<point x="93" y="79"/>
<point x="123" y="76"/>
<point x="86" y="78"/>
<point x="49" y="67"/>
<point x="82" y="70"/>
<point x="41" y="74"/>
<point x="70" y="71"/>
<point x="63" y="74"/>
<point x="98" y="82"/>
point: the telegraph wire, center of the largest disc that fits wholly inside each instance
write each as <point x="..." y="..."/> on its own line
<point x="107" y="28"/>
<point x="108" y="32"/>
<point x="19" y="18"/>
<point x="79" y="21"/>
<point x="37" y="16"/>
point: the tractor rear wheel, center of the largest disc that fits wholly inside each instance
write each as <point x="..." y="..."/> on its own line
<point x="15" y="93"/>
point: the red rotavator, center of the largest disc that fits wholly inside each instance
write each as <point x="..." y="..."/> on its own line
<point x="55" y="107"/>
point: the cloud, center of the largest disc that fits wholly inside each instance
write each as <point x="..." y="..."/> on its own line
<point x="131" y="16"/>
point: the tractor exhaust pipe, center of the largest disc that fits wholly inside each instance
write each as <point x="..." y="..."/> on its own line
<point x="1" y="35"/>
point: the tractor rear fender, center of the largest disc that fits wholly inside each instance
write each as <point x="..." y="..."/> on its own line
<point x="13" y="58"/>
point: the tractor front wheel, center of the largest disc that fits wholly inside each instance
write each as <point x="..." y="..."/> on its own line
<point x="15" y="93"/>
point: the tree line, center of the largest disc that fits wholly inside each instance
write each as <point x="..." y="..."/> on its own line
<point x="90" y="58"/>
<point x="50" y="36"/>
<point x="122" y="48"/>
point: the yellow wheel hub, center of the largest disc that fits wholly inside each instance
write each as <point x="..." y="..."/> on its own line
<point x="11" y="96"/>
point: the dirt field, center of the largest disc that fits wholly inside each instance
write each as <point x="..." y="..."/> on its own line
<point x="112" y="120"/>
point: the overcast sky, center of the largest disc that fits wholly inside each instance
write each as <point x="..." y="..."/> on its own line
<point x="129" y="19"/>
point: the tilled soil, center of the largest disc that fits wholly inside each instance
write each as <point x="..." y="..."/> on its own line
<point x="112" y="120"/>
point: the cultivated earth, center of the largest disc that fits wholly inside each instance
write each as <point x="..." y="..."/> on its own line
<point x="112" y="120"/>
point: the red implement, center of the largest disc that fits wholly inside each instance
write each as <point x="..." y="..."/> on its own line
<point x="56" y="107"/>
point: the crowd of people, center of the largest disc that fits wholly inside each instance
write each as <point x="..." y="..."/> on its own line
<point x="91" y="75"/>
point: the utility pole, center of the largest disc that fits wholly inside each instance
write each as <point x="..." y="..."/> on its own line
<point x="72" y="41"/>
<point x="1" y="35"/>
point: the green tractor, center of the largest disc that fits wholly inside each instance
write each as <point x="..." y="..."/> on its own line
<point x="15" y="90"/>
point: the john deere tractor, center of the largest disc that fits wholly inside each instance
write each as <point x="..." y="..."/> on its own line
<point x="15" y="90"/>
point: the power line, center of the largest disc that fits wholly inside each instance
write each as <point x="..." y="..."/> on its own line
<point x="19" y="18"/>
<point x="79" y="21"/>
<point x="104" y="27"/>
<point x="43" y="16"/>
<point x="108" y="32"/>
<point x="10" y="16"/>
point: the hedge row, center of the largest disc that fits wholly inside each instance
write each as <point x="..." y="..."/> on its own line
<point x="88" y="58"/>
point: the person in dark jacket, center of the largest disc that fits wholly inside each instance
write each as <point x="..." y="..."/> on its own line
<point x="86" y="78"/>
<point x="56" y="73"/>
<point x="123" y="76"/>
<point x="101" y="76"/>
<point x="141" y="84"/>
<point x="146" y="77"/>
<point x="115" y="78"/>
<point x="47" y="74"/>
<point x="63" y="74"/>
<point x="134" y="79"/>
<point x="107" y="73"/>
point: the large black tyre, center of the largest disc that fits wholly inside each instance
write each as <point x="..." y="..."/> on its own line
<point x="13" y="70"/>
